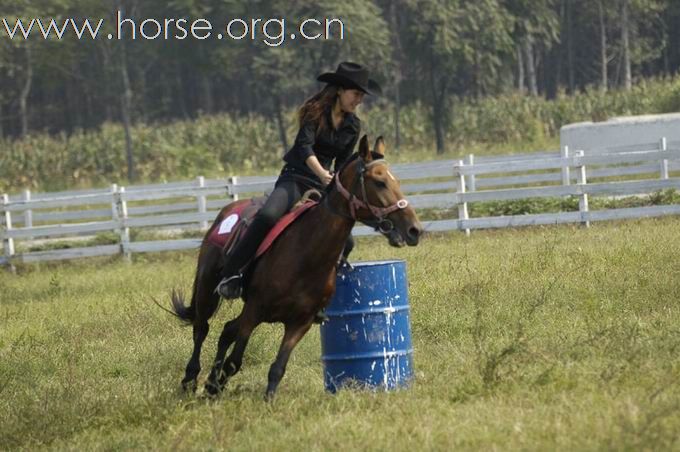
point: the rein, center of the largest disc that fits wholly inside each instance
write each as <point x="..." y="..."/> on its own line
<point x="380" y="223"/>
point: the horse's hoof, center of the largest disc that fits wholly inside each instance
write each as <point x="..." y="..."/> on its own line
<point x="212" y="389"/>
<point x="189" y="385"/>
<point x="269" y="396"/>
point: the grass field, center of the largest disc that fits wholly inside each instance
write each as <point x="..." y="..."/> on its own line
<point x="542" y="338"/>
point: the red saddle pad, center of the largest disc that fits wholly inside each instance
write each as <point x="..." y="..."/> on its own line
<point x="222" y="233"/>
<point x="281" y="226"/>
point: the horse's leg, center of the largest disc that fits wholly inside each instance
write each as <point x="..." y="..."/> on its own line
<point x="233" y="362"/>
<point x="291" y="336"/>
<point x="194" y="364"/>
<point x="239" y="331"/>
<point x="206" y="302"/>
<point x="227" y="338"/>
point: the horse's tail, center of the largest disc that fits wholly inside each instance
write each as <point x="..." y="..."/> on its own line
<point x="207" y="276"/>
<point x="186" y="314"/>
<point x="202" y="297"/>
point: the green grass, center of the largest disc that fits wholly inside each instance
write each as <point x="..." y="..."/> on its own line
<point x="541" y="338"/>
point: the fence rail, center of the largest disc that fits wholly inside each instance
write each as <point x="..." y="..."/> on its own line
<point x="444" y="184"/>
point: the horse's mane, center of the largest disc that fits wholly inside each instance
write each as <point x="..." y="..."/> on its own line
<point x="352" y="158"/>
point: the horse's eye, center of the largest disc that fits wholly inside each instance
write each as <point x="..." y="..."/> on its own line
<point x="380" y="184"/>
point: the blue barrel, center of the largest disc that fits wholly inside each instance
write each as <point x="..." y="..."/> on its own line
<point x="368" y="337"/>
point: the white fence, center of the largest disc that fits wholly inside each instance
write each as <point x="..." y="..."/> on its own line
<point x="447" y="184"/>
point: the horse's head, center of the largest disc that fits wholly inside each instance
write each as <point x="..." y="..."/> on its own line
<point x="375" y="198"/>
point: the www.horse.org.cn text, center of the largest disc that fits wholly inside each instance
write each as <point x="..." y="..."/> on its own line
<point x="273" y="32"/>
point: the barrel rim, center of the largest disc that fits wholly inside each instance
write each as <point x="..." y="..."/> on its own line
<point x="368" y="311"/>
<point x="376" y="263"/>
<point x="368" y="355"/>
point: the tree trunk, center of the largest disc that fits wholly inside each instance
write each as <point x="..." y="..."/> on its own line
<point x="396" y="73"/>
<point x="438" y="106"/>
<point x="281" y="123"/>
<point x="180" y="90"/>
<point x="74" y="103"/>
<point x="25" y="91"/>
<point x="627" y="73"/>
<point x="251" y="98"/>
<point x="603" y="48"/>
<point x="140" y="93"/>
<point x="207" y="92"/>
<point x="520" y="70"/>
<point x="476" y="75"/>
<point x="397" y="114"/>
<point x="126" y="113"/>
<point x="107" y="62"/>
<point x="92" y="116"/>
<point x="530" y="64"/>
<point x="438" y="120"/>
<point x="570" y="49"/>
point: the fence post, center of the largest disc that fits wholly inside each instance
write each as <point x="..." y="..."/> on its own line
<point x="7" y="242"/>
<point x="233" y="181"/>
<point x="471" y="179"/>
<point x="566" y="178"/>
<point x="663" y="146"/>
<point x="462" y="206"/>
<point x="114" y="205"/>
<point x="202" y="203"/>
<point x="28" y="213"/>
<point x="124" y="230"/>
<point x="119" y="214"/>
<point x="583" y="198"/>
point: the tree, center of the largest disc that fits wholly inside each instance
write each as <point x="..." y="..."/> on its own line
<point x="625" y="44"/>
<point x="430" y="52"/>
<point x="601" y="13"/>
<point x="397" y="63"/>
<point x="535" y="21"/>
<point x="457" y="44"/>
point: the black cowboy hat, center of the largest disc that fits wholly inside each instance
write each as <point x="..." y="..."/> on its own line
<point x="353" y="76"/>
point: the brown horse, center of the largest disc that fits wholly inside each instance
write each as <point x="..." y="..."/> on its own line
<point x="295" y="278"/>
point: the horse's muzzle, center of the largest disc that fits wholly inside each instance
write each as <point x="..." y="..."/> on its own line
<point x="410" y="237"/>
<point x="413" y="235"/>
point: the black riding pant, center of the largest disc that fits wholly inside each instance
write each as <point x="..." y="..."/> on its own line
<point x="286" y="193"/>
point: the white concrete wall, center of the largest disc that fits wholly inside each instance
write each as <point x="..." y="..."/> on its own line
<point x="630" y="133"/>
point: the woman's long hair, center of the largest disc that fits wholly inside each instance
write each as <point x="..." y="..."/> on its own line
<point x="315" y="107"/>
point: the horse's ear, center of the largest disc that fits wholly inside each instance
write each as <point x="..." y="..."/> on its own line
<point x="379" y="146"/>
<point x="364" y="152"/>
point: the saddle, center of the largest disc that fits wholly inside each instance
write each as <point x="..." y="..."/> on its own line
<point x="234" y="225"/>
<point x="245" y="218"/>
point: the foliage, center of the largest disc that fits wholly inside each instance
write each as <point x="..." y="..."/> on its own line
<point x="450" y="51"/>
<point x="219" y="145"/>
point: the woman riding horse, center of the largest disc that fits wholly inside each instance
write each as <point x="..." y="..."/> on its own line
<point x="307" y="251"/>
<point x="329" y="130"/>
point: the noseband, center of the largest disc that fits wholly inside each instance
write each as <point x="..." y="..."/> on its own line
<point x="380" y="222"/>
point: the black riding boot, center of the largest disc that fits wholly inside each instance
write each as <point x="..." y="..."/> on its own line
<point x="231" y="285"/>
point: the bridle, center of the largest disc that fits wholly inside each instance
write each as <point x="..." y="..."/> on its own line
<point x="380" y="222"/>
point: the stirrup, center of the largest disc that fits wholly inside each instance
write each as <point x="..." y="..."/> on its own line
<point x="230" y="288"/>
<point x="343" y="265"/>
<point x="321" y="317"/>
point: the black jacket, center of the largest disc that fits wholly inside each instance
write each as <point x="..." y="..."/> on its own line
<point x="328" y="145"/>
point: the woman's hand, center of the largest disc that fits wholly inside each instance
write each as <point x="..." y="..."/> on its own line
<point x="322" y="173"/>
<point x="326" y="178"/>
